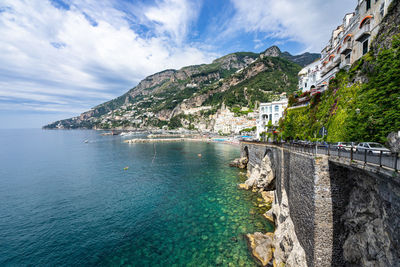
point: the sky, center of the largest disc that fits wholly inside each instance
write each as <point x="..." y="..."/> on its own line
<point x="59" y="58"/>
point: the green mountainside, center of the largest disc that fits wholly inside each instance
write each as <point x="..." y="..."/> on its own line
<point x="362" y="104"/>
<point x="239" y="80"/>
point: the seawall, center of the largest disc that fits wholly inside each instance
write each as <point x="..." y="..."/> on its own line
<point x="327" y="212"/>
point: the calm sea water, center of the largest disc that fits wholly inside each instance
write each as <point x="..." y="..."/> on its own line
<point x="64" y="202"/>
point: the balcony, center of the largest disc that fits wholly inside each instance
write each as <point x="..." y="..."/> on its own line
<point x="347" y="47"/>
<point x="345" y="64"/>
<point x="363" y="33"/>
<point x="330" y="65"/>
<point x="337" y="60"/>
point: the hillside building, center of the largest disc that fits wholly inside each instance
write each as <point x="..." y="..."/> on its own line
<point x="272" y="111"/>
<point x="309" y="76"/>
<point x="227" y="123"/>
<point x="348" y="43"/>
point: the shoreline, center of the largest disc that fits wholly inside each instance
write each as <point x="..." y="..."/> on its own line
<point x="170" y="140"/>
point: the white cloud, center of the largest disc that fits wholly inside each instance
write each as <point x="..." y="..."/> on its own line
<point x="77" y="58"/>
<point x="309" y="22"/>
<point x="176" y="26"/>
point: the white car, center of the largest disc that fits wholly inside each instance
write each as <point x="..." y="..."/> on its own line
<point x="345" y="146"/>
<point x="372" y="148"/>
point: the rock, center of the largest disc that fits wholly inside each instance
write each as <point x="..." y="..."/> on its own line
<point x="243" y="186"/>
<point x="393" y="142"/>
<point x="268" y="196"/>
<point x="288" y="251"/>
<point x="234" y="163"/>
<point x="261" y="246"/>
<point x="204" y="237"/>
<point x="269" y="216"/>
<point x="240" y="163"/>
<point x="261" y="177"/>
<point x="251" y="182"/>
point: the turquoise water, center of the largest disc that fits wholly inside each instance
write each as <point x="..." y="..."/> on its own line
<point x="64" y="202"/>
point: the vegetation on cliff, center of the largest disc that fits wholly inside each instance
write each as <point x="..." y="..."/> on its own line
<point x="362" y="104"/>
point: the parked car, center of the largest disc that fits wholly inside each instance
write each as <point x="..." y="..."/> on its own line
<point x="346" y="146"/>
<point x="372" y="148"/>
<point x="322" y="144"/>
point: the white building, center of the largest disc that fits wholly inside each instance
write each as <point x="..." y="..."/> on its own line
<point x="309" y="76"/>
<point x="272" y="111"/>
<point x="227" y="123"/>
<point x="351" y="40"/>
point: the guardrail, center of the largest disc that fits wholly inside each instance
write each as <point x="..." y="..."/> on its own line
<point x="367" y="156"/>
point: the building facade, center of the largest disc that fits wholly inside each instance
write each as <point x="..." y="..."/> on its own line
<point x="348" y="42"/>
<point x="309" y="76"/>
<point x="272" y="111"/>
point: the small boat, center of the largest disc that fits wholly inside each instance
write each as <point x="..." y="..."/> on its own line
<point x="86" y="141"/>
<point x="199" y="155"/>
<point x="126" y="168"/>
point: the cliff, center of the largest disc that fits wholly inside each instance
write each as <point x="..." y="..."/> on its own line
<point x="190" y="96"/>
<point x="327" y="211"/>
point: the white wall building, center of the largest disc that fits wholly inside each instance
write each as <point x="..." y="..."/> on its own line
<point x="272" y="111"/>
<point x="309" y="76"/>
<point x="351" y="40"/>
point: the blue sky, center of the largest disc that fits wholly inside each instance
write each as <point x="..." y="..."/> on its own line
<point x="61" y="57"/>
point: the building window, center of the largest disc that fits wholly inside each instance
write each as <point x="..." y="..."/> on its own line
<point x="270" y="109"/>
<point x="276" y="108"/>
<point x="365" y="47"/>
<point x="368" y="4"/>
<point x="382" y="9"/>
<point x="347" y="58"/>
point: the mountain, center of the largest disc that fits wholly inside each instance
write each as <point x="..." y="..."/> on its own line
<point x="302" y="60"/>
<point x="190" y="97"/>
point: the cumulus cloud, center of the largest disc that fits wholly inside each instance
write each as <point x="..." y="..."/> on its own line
<point x="70" y="55"/>
<point x="74" y="56"/>
<point x="308" y="22"/>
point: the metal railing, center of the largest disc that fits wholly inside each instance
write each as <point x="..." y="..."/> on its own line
<point x="366" y="156"/>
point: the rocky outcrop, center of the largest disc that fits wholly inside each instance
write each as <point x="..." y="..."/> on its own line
<point x="370" y="226"/>
<point x="261" y="247"/>
<point x="273" y="51"/>
<point x="302" y="60"/>
<point x="393" y="142"/>
<point x="240" y="163"/>
<point x="288" y="250"/>
<point x="262" y="176"/>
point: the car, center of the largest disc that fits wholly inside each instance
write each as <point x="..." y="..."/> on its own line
<point x="372" y="148"/>
<point x="345" y="146"/>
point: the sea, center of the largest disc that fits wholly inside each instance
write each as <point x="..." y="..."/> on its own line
<point x="76" y="198"/>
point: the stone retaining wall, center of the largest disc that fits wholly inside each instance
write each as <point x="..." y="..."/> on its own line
<point x="334" y="213"/>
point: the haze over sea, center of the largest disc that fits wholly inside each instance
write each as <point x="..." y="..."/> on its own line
<point x="64" y="202"/>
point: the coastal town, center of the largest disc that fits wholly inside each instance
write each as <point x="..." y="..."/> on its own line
<point x="348" y="43"/>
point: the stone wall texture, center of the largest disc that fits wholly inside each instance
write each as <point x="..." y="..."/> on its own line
<point x="330" y="213"/>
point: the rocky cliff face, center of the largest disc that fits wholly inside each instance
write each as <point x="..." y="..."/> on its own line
<point x="327" y="211"/>
<point x="170" y="93"/>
